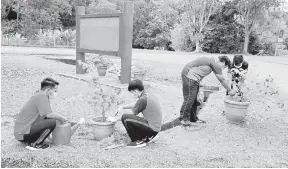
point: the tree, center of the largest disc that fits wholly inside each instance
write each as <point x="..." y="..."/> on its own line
<point x="153" y="21"/>
<point x="42" y="14"/>
<point x="197" y="14"/>
<point x="224" y="34"/>
<point x="102" y="7"/>
<point x="252" y="13"/>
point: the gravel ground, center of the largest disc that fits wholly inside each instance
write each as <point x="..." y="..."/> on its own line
<point x="260" y="141"/>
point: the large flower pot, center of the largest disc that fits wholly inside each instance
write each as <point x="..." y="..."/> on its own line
<point x="102" y="70"/>
<point x="235" y="111"/>
<point x="139" y="75"/>
<point x="102" y="129"/>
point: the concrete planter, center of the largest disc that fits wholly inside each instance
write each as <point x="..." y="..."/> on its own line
<point x="139" y="75"/>
<point x="235" y="111"/>
<point x="207" y="90"/>
<point x="101" y="129"/>
<point x="102" y="70"/>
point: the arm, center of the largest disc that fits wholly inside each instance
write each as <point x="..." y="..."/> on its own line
<point x="140" y="105"/>
<point x="223" y="82"/>
<point x="44" y="109"/>
<point x="56" y="116"/>
<point x="128" y="106"/>
<point x="136" y="108"/>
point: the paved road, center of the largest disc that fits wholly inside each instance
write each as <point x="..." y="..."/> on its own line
<point x="264" y="65"/>
<point x="161" y="56"/>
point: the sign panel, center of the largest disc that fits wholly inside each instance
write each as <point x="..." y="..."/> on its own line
<point x="99" y="33"/>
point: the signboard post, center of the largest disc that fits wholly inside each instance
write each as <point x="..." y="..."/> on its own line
<point x="106" y="34"/>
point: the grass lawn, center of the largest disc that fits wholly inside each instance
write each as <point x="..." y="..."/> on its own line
<point x="260" y="141"/>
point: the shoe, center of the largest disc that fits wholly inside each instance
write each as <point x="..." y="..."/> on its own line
<point x="37" y="147"/>
<point x="185" y="123"/>
<point x="153" y="138"/>
<point x="81" y="121"/>
<point x="137" y="144"/>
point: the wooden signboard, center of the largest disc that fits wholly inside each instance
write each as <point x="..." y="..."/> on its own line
<point x="106" y="34"/>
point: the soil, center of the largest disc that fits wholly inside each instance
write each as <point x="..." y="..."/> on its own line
<point x="260" y="141"/>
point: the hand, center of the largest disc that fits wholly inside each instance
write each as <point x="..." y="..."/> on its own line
<point x="120" y="109"/>
<point x="231" y="92"/>
<point x="63" y="120"/>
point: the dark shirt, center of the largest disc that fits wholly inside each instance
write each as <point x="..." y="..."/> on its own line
<point x="149" y="105"/>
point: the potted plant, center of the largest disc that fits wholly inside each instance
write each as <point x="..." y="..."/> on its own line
<point x="140" y="71"/>
<point x="236" y="106"/>
<point x="116" y="70"/>
<point x="103" y="65"/>
<point x="104" y="100"/>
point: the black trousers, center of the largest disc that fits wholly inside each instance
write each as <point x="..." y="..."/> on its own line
<point x="39" y="131"/>
<point x="189" y="107"/>
<point x="137" y="127"/>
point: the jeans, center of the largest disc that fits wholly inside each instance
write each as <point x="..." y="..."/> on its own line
<point x="137" y="127"/>
<point x="39" y="131"/>
<point x="189" y="107"/>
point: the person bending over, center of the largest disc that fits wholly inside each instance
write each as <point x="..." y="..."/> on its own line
<point x="192" y="74"/>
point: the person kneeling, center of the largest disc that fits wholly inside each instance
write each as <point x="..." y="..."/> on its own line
<point x="142" y="130"/>
<point x="35" y="122"/>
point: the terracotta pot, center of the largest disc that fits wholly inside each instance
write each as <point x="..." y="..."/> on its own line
<point x="139" y="75"/>
<point x="235" y="111"/>
<point x="102" y="130"/>
<point x="61" y="134"/>
<point x="102" y="70"/>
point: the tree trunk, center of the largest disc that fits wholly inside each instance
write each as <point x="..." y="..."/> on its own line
<point x="247" y="32"/>
<point x="246" y="42"/>
<point x="198" y="47"/>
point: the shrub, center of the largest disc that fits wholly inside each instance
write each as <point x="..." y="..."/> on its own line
<point x="254" y="44"/>
<point x="223" y="38"/>
<point x="67" y="38"/>
<point x="14" y="39"/>
<point x="45" y="38"/>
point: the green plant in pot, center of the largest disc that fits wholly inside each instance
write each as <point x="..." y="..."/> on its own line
<point x="103" y="65"/>
<point x="116" y="70"/>
<point x="104" y="100"/>
<point x="236" y="106"/>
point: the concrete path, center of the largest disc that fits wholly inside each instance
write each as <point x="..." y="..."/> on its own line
<point x="265" y="65"/>
<point x="138" y="54"/>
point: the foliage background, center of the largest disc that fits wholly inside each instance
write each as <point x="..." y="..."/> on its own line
<point x="214" y="26"/>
